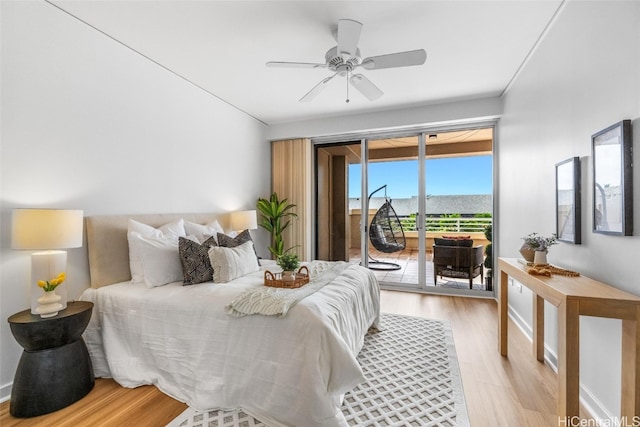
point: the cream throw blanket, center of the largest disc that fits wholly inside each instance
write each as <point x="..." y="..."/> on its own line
<point x="278" y="301"/>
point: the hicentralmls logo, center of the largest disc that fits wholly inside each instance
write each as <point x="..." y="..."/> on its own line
<point x="602" y="422"/>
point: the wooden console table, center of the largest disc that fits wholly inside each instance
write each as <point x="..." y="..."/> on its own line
<point x="576" y="296"/>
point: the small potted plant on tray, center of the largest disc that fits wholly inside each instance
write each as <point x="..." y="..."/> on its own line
<point x="289" y="264"/>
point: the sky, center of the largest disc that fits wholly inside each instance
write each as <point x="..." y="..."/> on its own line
<point x="446" y="176"/>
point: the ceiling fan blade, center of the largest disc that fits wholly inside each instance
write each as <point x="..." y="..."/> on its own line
<point x="294" y="64"/>
<point x="348" y="36"/>
<point x="364" y="85"/>
<point x="317" y="89"/>
<point x="392" y="60"/>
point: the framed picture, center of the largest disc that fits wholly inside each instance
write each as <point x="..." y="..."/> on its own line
<point x="568" y="201"/>
<point x="613" y="180"/>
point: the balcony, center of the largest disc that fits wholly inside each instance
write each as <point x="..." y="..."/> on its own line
<point x="407" y="259"/>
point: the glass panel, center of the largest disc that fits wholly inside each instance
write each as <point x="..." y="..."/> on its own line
<point x="337" y="234"/>
<point x="393" y="206"/>
<point x="459" y="208"/>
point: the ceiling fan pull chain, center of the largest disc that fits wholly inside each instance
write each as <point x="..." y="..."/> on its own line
<point x="347" y="81"/>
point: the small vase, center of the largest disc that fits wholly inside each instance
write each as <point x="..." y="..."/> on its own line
<point x="527" y="253"/>
<point x="49" y="304"/>
<point x="288" y="275"/>
<point x="540" y="257"/>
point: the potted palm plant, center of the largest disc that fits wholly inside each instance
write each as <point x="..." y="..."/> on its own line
<point x="276" y="217"/>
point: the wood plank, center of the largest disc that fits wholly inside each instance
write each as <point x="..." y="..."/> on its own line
<point x="556" y="288"/>
<point x="538" y="327"/>
<point x="503" y="325"/>
<point x="630" y="405"/>
<point x="108" y="404"/>
<point x="568" y="358"/>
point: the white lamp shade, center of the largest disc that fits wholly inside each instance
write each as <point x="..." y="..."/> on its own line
<point x="244" y="220"/>
<point x="37" y="229"/>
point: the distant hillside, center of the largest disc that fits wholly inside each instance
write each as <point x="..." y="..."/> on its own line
<point x="436" y="205"/>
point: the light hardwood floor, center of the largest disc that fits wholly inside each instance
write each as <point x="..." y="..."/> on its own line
<point x="514" y="391"/>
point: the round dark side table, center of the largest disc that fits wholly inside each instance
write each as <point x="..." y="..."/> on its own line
<point x="55" y="369"/>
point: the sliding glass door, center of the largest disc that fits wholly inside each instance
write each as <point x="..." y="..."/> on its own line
<point x="393" y="175"/>
<point x="384" y="201"/>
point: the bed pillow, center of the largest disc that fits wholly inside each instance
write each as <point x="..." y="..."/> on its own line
<point x="231" y="263"/>
<point x="173" y="230"/>
<point x="227" y="241"/>
<point x="203" y="231"/>
<point x="194" y="257"/>
<point x="158" y="258"/>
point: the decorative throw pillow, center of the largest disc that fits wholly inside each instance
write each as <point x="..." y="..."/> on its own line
<point x="231" y="242"/>
<point x="194" y="257"/>
<point x="201" y="231"/>
<point x="467" y="243"/>
<point x="231" y="263"/>
<point x="173" y="230"/>
<point x="457" y="237"/>
<point x="158" y="258"/>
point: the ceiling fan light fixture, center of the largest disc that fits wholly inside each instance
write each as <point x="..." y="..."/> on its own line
<point x="345" y="57"/>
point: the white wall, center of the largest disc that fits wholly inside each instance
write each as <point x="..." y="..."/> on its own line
<point x="89" y="124"/>
<point x="584" y="76"/>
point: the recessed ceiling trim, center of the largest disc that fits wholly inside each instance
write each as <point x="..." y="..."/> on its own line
<point x="153" y="61"/>
<point x="542" y="35"/>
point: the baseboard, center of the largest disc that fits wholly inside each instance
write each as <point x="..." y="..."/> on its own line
<point x="5" y="392"/>
<point x="596" y="409"/>
<point x="591" y="404"/>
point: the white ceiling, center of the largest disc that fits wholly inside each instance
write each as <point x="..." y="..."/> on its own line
<point x="474" y="48"/>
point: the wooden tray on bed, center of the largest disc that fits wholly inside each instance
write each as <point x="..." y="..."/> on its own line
<point x="274" y="280"/>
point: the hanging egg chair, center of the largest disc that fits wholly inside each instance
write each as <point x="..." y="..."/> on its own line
<point x="385" y="233"/>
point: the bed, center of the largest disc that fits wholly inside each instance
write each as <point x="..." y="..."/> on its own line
<point x="286" y="370"/>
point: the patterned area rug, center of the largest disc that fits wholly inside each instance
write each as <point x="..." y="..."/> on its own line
<point x="412" y="379"/>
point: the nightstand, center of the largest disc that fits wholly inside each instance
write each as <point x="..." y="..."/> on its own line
<point x="55" y="369"/>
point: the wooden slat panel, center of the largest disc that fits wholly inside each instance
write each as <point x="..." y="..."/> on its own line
<point x="291" y="173"/>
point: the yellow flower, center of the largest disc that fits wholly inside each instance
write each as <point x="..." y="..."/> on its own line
<point x="49" y="285"/>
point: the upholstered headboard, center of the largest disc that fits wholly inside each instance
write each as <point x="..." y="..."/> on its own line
<point x="108" y="247"/>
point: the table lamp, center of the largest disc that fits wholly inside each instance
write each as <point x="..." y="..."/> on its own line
<point x="47" y="230"/>
<point x="244" y="220"/>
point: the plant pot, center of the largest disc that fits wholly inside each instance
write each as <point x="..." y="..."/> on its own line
<point x="527" y="253"/>
<point x="488" y="282"/>
<point x="540" y="258"/>
<point x="288" y="275"/>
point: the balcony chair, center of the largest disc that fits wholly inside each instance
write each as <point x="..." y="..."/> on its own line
<point x="457" y="258"/>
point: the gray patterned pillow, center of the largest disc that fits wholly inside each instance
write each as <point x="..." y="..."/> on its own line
<point x="196" y="265"/>
<point x="231" y="242"/>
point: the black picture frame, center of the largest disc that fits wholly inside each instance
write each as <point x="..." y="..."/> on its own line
<point x="613" y="180"/>
<point x="569" y="201"/>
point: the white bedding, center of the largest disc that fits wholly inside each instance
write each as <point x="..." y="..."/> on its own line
<point x="287" y="370"/>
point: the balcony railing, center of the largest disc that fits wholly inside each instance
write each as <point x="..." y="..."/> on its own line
<point x="447" y="224"/>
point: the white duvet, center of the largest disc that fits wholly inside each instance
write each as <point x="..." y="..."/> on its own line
<point x="285" y="371"/>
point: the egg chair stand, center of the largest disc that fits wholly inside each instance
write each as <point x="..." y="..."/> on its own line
<point x="385" y="233"/>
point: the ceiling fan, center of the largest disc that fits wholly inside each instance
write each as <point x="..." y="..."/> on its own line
<point x="345" y="57"/>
